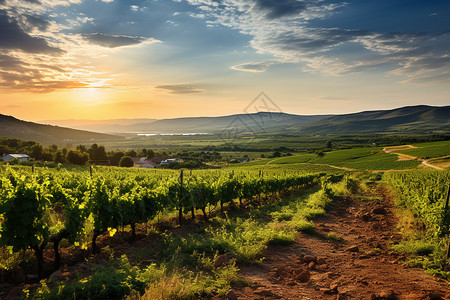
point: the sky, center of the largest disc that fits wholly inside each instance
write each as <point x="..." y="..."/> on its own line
<point x="108" y="59"/>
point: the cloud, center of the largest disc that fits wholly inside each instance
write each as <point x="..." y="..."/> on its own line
<point x="441" y="77"/>
<point x="41" y="49"/>
<point x="40" y="5"/>
<point x="257" y="67"/>
<point x="13" y="37"/>
<point x="44" y="86"/>
<point x="284" y="29"/>
<point x="113" y="41"/>
<point x="180" y="89"/>
<point x="18" y="75"/>
<point x="10" y="63"/>
<point x="37" y="22"/>
<point x="281" y="8"/>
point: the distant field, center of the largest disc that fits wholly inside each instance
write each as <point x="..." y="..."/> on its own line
<point x="302" y="158"/>
<point x="429" y="150"/>
<point x="361" y="159"/>
<point x="306" y="167"/>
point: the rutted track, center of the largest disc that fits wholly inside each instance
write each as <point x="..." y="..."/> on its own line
<point x="361" y="266"/>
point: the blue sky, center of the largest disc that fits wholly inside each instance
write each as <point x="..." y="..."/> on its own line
<point x="172" y="58"/>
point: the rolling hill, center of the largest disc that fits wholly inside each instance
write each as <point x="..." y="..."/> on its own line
<point x="47" y="134"/>
<point x="257" y="122"/>
<point x="419" y="118"/>
<point x="105" y="126"/>
<point x="410" y="119"/>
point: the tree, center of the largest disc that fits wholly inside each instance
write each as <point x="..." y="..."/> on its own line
<point x="329" y="144"/>
<point x="320" y="153"/>
<point x="114" y="157"/>
<point x="46" y="155"/>
<point x="81" y="148"/>
<point x="77" y="157"/>
<point x="276" y="154"/>
<point x="97" y="152"/>
<point x="126" y="161"/>
<point x="131" y="153"/>
<point x="59" y="157"/>
<point x="150" y="154"/>
<point x="36" y="151"/>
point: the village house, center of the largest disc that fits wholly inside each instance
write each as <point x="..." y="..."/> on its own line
<point x="143" y="162"/>
<point x="19" y="157"/>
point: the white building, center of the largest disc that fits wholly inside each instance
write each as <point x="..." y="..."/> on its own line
<point x="170" y="160"/>
<point x="19" y="157"/>
<point x="148" y="165"/>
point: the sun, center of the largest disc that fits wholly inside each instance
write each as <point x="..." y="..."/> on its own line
<point x="93" y="93"/>
<point x="98" y="83"/>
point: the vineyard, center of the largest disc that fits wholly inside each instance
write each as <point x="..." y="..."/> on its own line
<point x="48" y="206"/>
<point x="237" y="211"/>
<point x="429" y="150"/>
<point x="371" y="158"/>
<point x="426" y="194"/>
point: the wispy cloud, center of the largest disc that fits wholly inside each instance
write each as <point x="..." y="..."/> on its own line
<point x="42" y="51"/>
<point x="284" y="30"/>
<point x="257" y="67"/>
<point x="180" y="89"/>
<point x="113" y="41"/>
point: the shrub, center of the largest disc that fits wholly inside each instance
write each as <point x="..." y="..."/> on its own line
<point x="126" y="161"/>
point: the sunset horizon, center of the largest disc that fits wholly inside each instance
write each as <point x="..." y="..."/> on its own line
<point x="114" y="59"/>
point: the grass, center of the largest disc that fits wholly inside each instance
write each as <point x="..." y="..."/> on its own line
<point x="333" y="237"/>
<point x="415" y="246"/>
<point x="425" y="251"/>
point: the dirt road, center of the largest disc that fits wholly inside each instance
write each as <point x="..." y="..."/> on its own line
<point x="360" y="266"/>
<point x="426" y="163"/>
<point x="402" y="156"/>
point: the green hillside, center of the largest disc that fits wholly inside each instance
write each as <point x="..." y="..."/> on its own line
<point x="420" y="118"/>
<point x="48" y="134"/>
<point x="429" y="150"/>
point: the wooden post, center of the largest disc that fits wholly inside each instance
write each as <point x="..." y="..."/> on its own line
<point x="446" y="216"/>
<point x="90" y="170"/>
<point x="180" y="209"/>
<point x="446" y="202"/>
<point x="32" y="169"/>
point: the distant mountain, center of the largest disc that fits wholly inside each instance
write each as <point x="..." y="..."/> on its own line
<point x="404" y="119"/>
<point x="105" y="126"/>
<point x="48" y="134"/>
<point x="257" y="122"/>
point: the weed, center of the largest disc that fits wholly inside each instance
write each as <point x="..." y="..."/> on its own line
<point x="333" y="237"/>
